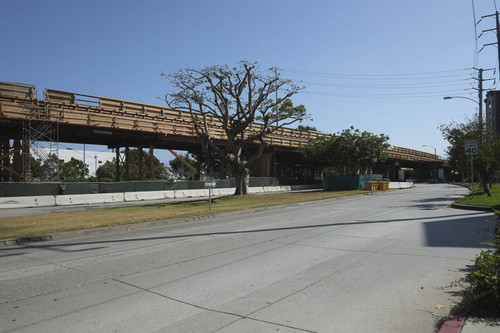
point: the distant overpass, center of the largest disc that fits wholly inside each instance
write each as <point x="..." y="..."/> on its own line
<point x="77" y="118"/>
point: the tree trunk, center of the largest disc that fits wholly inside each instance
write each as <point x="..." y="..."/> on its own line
<point x="242" y="178"/>
<point x="246" y="181"/>
<point x="484" y="183"/>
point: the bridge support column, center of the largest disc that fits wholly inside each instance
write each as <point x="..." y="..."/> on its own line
<point x="263" y="166"/>
<point x="26" y="156"/>
<point x="5" y="161"/>
<point x="117" y="164"/>
<point x="127" y="164"/>
<point x="275" y="165"/>
<point x="17" y="160"/>
<point x="141" y="163"/>
<point x="267" y="166"/>
<point x="395" y="171"/>
<point x="151" y="163"/>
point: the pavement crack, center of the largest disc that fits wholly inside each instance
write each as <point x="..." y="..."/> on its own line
<point x="240" y="316"/>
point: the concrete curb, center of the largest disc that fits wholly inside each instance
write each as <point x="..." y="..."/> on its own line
<point x="466" y="207"/>
<point x="24" y="240"/>
<point x="453" y="324"/>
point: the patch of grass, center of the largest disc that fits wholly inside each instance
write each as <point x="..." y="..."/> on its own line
<point x="35" y="225"/>
<point x="480" y="197"/>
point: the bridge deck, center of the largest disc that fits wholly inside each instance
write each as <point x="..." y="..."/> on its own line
<point x="98" y="118"/>
<point x="17" y="102"/>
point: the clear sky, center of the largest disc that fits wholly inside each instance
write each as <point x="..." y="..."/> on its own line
<point x="381" y="66"/>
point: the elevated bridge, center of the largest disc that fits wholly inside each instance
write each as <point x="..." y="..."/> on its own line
<point x="77" y="118"/>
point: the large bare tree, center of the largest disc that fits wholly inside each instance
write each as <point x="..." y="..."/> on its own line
<point x="243" y="101"/>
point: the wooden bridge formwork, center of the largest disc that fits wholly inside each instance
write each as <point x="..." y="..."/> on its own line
<point x="77" y="118"/>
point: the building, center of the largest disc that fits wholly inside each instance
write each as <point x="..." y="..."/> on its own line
<point x="493" y="110"/>
<point x="93" y="159"/>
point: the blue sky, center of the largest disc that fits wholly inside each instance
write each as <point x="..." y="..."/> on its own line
<point x="380" y="66"/>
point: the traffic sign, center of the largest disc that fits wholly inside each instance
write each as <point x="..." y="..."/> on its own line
<point x="470" y="147"/>
<point x="210" y="184"/>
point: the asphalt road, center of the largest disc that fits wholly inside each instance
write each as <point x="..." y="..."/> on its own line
<point x="377" y="263"/>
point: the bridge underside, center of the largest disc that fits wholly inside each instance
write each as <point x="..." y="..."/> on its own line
<point x="14" y="141"/>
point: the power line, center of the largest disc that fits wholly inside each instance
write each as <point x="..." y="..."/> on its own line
<point x="379" y="77"/>
<point x="390" y="86"/>
<point x="389" y="95"/>
<point x="359" y="86"/>
<point x="476" y="50"/>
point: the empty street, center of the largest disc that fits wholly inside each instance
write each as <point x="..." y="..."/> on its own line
<point x="383" y="262"/>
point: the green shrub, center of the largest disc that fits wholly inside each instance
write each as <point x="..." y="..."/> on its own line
<point x="485" y="279"/>
<point x="483" y="297"/>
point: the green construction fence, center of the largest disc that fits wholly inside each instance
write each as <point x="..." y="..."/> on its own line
<point x="348" y="182"/>
<point x="8" y="189"/>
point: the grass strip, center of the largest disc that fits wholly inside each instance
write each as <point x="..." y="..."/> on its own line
<point x="42" y="224"/>
<point x="480" y="197"/>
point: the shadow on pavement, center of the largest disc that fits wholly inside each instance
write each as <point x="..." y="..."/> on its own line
<point x="455" y="230"/>
<point x="463" y="232"/>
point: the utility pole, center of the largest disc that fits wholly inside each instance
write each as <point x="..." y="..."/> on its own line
<point x="497" y="32"/>
<point x="276" y="77"/>
<point x="480" y="80"/>
<point x="498" y="35"/>
<point x="480" y="93"/>
<point x="480" y="123"/>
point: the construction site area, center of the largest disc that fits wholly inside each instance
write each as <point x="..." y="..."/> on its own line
<point x="60" y="116"/>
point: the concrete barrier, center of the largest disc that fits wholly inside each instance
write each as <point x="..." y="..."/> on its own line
<point x="25" y="202"/>
<point x="268" y="189"/>
<point x="223" y="191"/>
<point x="287" y="188"/>
<point x="256" y="189"/>
<point x="148" y="195"/>
<point x="82" y="199"/>
<point x="190" y="193"/>
<point x="401" y="185"/>
<point x="169" y="194"/>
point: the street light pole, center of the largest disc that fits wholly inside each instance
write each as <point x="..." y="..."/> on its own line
<point x="435" y="160"/>
<point x="480" y="118"/>
<point x="453" y="97"/>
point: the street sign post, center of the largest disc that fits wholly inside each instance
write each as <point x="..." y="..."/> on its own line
<point x="210" y="184"/>
<point x="471" y="148"/>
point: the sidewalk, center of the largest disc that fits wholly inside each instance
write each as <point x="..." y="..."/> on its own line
<point x="470" y="325"/>
<point x="479" y="325"/>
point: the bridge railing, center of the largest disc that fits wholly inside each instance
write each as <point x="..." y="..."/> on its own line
<point x="58" y="96"/>
<point x="17" y="90"/>
<point x="400" y="153"/>
<point x="79" y="109"/>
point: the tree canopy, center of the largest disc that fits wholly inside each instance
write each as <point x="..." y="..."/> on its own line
<point x="53" y="168"/>
<point x="107" y="171"/>
<point x="179" y="169"/>
<point x="486" y="162"/>
<point x="348" y="151"/>
<point x="306" y="128"/>
<point x="237" y="98"/>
